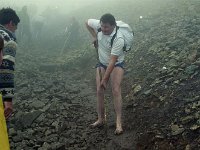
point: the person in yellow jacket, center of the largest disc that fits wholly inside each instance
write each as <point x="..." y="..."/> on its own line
<point x="4" y="143"/>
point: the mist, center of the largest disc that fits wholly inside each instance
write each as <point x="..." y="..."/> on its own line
<point x="55" y="76"/>
<point x="65" y="6"/>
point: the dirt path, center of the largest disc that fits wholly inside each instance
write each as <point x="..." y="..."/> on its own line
<point x="53" y="110"/>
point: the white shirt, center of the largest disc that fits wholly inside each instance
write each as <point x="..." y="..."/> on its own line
<point x="104" y="44"/>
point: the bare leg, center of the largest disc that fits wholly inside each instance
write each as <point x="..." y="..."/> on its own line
<point x="100" y="99"/>
<point x="116" y="78"/>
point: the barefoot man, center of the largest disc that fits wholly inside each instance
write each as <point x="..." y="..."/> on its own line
<point x="111" y="65"/>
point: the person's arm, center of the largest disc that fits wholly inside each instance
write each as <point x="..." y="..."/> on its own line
<point x="8" y="109"/>
<point x="113" y="60"/>
<point x="7" y="88"/>
<point x="92" y="25"/>
<point x="115" y="52"/>
<point x="94" y="35"/>
<point x="91" y="30"/>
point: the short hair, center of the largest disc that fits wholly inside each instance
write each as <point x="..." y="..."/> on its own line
<point x="7" y="15"/>
<point x="108" y="18"/>
<point x="1" y="43"/>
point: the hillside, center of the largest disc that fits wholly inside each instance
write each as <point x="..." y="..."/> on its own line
<point x="55" y="100"/>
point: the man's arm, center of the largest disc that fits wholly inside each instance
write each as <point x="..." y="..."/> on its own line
<point x="91" y="30"/>
<point x="117" y="49"/>
<point x="93" y="25"/>
<point x="7" y="86"/>
<point x="93" y="33"/>
<point x="113" y="60"/>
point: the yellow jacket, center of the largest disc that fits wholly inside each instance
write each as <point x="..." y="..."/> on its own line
<point x="4" y="143"/>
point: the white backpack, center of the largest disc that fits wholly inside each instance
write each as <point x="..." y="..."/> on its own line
<point x="128" y="34"/>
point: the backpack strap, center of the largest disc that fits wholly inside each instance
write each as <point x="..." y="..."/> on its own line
<point x="111" y="43"/>
<point x="99" y="30"/>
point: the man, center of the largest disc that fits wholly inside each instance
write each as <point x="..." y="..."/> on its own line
<point x="8" y="25"/>
<point x="111" y="61"/>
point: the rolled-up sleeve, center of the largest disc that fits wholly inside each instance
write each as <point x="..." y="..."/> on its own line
<point x="94" y="23"/>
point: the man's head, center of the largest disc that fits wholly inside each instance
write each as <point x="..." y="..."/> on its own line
<point x="108" y="24"/>
<point x="9" y="19"/>
<point x="1" y="49"/>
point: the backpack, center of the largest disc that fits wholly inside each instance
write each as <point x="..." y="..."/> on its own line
<point x="127" y="33"/>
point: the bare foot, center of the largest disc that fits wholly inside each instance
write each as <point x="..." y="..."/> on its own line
<point x="97" y="124"/>
<point x="119" y="129"/>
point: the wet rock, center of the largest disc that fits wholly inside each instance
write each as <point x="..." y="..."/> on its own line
<point x="172" y="63"/>
<point x="137" y="89"/>
<point x="169" y="80"/>
<point x="176" y="130"/>
<point x="192" y="56"/>
<point x="55" y="124"/>
<point x="12" y="132"/>
<point x="187" y="119"/>
<point x="161" y="98"/>
<point x="41" y="118"/>
<point x="188" y="147"/>
<point x="191" y="69"/>
<point x="198" y="121"/>
<point x="173" y="44"/>
<point x="45" y="146"/>
<point x="194" y="127"/>
<point x="159" y="137"/>
<point x="177" y="82"/>
<point x="37" y="104"/>
<point x="148" y="92"/>
<point x="195" y="105"/>
<point x="27" y="119"/>
<point x="39" y="90"/>
<point x="190" y="100"/>
<point x="18" y="138"/>
<point x="58" y="146"/>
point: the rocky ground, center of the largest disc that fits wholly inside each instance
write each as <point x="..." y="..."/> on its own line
<point x="55" y="98"/>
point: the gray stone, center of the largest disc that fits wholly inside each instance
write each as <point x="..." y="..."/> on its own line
<point x="37" y="104"/>
<point x="176" y="130"/>
<point x="12" y="132"/>
<point x="137" y="89"/>
<point x="191" y="69"/>
<point x="28" y="118"/>
<point x="187" y="119"/>
<point x="148" y="92"/>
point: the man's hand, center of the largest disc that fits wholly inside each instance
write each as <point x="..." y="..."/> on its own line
<point x="8" y="109"/>
<point x="103" y="84"/>
<point x="95" y="43"/>
<point x="109" y="69"/>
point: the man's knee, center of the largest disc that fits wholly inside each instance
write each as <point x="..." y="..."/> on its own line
<point x="116" y="91"/>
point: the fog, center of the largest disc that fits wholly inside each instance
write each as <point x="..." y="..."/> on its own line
<point x="47" y="23"/>
<point x="64" y="5"/>
<point x="55" y="76"/>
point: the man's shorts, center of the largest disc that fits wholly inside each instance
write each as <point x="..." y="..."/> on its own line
<point x="121" y="65"/>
